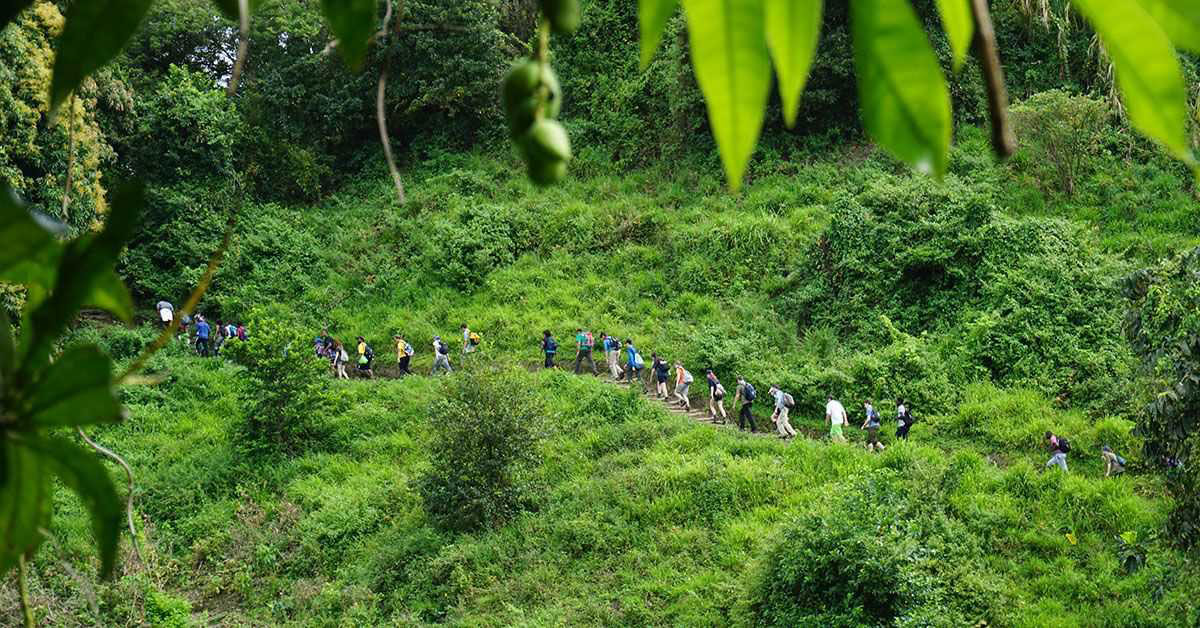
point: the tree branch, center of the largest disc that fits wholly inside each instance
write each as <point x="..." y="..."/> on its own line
<point x="137" y="551"/>
<point x="23" y="585"/>
<point x="1003" y="140"/>
<point x="66" y="199"/>
<point x="243" y="47"/>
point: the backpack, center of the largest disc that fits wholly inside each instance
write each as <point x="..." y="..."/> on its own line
<point x="551" y="345"/>
<point x="687" y="377"/>
<point x="748" y="393"/>
<point x="408" y="350"/>
<point x="475" y="338"/>
<point x="720" y="390"/>
<point x="638" y="362"/>
<point x="442" y="348"/>
<point x="1064" y="445"/>
<point x="370" y="354"/>
<point x="1120" y="460"/>
<point x="588" y="342"/>
<point x="788" y="402"/>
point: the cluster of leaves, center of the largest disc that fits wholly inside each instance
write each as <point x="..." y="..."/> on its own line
<point x="39" y="397"/>
<point x="1163" y="325"/>
<point x="286" y="402"/>
<point x="488" y="427"/>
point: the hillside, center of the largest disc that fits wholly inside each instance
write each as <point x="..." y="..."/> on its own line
<point x="998" y="320"/>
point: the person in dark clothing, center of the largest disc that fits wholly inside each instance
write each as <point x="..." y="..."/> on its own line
<point x="661" y="372"/>
<point x="903" y="420"/>
<point x="583" y="350"/>
<point x="745" y="394"/>
<point x="549" y="348"/>
<point x="202" y="335"/>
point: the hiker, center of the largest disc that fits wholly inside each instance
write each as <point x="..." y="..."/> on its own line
<point x="203" y="331"/>
<point x="835" y="415"/>
<point x="471" y="340"/>
<point x="745" y="394"/>
<point x="441" y="357"/>
<point x="241" y="332"/>
<point x="904" y="420"/>
<point x="231" y="331"/>
<point x="1058" y="447"/>
<point x="220" y="338"/>
<point x="683" y="380"/>
<point x="404" y="353"/>
<point x="783" y="404"/>
<point x="1113" y="464"/>
<point x="633" y="362"/>
<point x="340" y="358"/>
<point x="366" y="355"/>
<point x="872" y="426"/>
<point x="716" y="397"/>
<point x="583" y="350"/>
<point x="182" y="334"/>
<point x="549" y="348"/>
<point x="661" y="372"/>
<point x="166" y="313"/>
<point x="612" y="354"/>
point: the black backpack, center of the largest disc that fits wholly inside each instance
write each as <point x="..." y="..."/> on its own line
<point x="551" y="345"/>
<point x="748" y="393"/>
<point x="443" y="349"/>
<point x="370" y="353"/>
<point x="1064" y="445"/>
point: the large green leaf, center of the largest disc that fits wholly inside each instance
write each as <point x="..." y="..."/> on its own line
<point x="652" y="21"/>
<point x="85" y="261"/>
<point x="30" y="249"/>
<point x="729" y="52"/>
<point x="1147" y="70"/>
<point x="24" y="499"/>
<point x="1179" y="18"/>
<point x="82" y="472"/>
<point x="76" y="390"/>
<point x="110" y="294"/>
<point x="902" y="93"/>
<point x="95" y="31"/>
<point x="9" y="9"/>
<point x="353" y="22"/>
<point x="959" y="26"/>
<point x="793" y="30"/>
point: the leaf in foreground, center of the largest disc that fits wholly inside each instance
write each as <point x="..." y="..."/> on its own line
<point x="353" y="22"/>
<point x="1179" y="18"/>
<point x="76" y="390"/>
<point x="95" y="31"/>
<point x="24" y="500"/>
<point x="793" y="30"/>
<point x="959" y="25"/>
<point x="903" y="96"/>
<point x="652" y="21"/>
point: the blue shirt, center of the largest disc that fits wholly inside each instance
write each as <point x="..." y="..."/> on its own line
<point x="632" y="355"/>
<point x="202" y="330"/>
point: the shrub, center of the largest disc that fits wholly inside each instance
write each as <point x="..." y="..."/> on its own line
<point x="483" y="453"/>
<point x="282" y="393"/>
<point x="1060" y="134"/>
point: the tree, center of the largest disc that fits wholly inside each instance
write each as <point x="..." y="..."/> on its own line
<point x="1061" y="134"/>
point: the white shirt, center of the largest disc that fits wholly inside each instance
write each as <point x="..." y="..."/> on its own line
<point x="835" y="412"/>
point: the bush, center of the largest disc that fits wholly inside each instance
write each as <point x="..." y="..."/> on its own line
<point x="1060" y="134"/>
<point x="483" y="453"/>
<point x="282" y="393"/>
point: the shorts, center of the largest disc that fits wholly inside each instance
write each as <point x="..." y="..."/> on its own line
<point x="872" y="434"/>
<point x="836" y="431"/>
<point x="682" y="390"/>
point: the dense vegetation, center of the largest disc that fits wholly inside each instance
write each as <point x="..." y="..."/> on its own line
<point x="995" y="300"/>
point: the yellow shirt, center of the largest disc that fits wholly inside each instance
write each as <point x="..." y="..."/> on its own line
<point x="362" y="348"/>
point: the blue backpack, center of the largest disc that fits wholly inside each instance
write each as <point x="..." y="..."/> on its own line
<point x="551" y="345"/>
<point x="748" y="394"/>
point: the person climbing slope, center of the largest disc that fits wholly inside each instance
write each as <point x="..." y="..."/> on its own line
<point x="836" y="417"/>
<point x="683" y="381"/>
<point x="633" y="362"/>
<point x="340" y="359"/>
<point x="612" y="354"/>
<point x="716" y="397"/>
<point x="441" y="357"/>
<point x="549" y="348"/>
<point x="783" y="406"/>
<point x="366" y="356"/>
<point x="871" y="425"/>
<point x="745" y="394"/>
<point x="471" y="340"/>
<point x="203" y="331"/>
<point x="1059" y="448"/>
<point x="662" y="371"/>
<point x="904" y="419"/>
<point x="1113" y="464"/>
<point x="166" y="313"/>
<point x="404" y="354"/>
<point x="583" y="350"/>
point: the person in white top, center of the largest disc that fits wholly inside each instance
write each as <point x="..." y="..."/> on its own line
<point x="835" y="415"/>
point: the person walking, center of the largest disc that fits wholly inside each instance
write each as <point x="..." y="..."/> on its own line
<point x="203" y="332"/>
<point x="662" y="372"/>
<point x="903" y="420"/>
<point x="1113" y="464"/>
<point x="166" y="313"/>
<point x="404" y="354"/>
<point x="633" y="362"/>
<point x="871" y="424"/>
<point x="583" y="350"/>
<point x="441" y="357"/>
<point x="683" y="381"/>
<point x="612" y="354"/>
<point x="1059" y="448"/>
<point x="366" y="357"/>
<point x="716" y="397"/>
<point x="549" y="348"/>
<point x="745" y="394"/>
<point x="341" y="357"/>
<point x="783" y="406"/>
<point x="836" y="417"/>
<point x="471" y="341"/>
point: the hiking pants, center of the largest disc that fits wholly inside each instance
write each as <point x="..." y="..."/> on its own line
<point x="614" y="366"/>
<point x="744" y="416"/>
<point x="402" y="365"/>
<point x="202" y="346"/>
<point x="783" y="424"/>
<point x="442" y="362"/>
<point x="581" y="356"/>
<point x="902" y="431"/>
<point x="549" y="360"/>
<point x="632" y="373"/>
<point x="1059" y="460"/>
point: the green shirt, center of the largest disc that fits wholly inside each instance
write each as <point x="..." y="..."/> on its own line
<point x="580" y="339"/>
